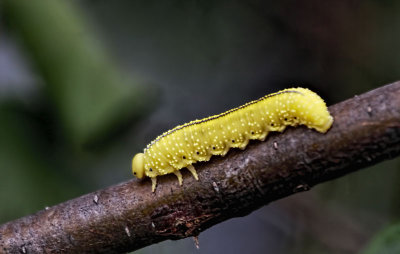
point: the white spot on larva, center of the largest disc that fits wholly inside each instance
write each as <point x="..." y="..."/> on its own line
<point x="369" y="109"/>
<point x="46" y="208"/>
<point x="96" y="199"/>
<point x="275" y="145"/>
<point x="128" y="233"/>
<point x="152" y="224"/>
<point x="23" y="249"/>
<point x="215" y="186"/>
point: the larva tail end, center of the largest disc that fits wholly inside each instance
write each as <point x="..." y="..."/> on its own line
<point x="193" y="171"/>
<point x="327" y="125"/>
<point x="153" y="184"/>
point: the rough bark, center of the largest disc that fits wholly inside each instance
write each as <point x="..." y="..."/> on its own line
<point x="128" y="216"/>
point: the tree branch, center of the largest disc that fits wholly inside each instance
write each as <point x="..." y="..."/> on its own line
<point x="128" y="216"/>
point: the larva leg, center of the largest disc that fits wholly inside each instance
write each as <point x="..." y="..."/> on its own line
<point x="244" y="143"/>
<point x="153" y="183"/>
<point x="179" y="175"/>
<point x="263" y="136"/>
<point x="193" y="171"/>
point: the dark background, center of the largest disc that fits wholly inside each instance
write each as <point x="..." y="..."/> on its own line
<point x="84" y="85"/>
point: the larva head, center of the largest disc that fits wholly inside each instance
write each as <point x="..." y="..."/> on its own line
<point x="138" y="165"/>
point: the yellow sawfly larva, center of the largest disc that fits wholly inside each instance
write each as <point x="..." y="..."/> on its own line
<point x="198" y="140"/>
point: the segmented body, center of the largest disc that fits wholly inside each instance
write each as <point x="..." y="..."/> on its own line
<point x="200" y="139"/>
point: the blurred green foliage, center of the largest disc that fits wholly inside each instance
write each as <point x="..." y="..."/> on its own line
<point x="22" y="190"/>
<point x="85" y="101"/>
<point x="385" y="242"/>
<point x="90" y="95"/>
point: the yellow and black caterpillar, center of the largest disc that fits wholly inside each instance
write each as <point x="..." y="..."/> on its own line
<point x="198" y="140"/>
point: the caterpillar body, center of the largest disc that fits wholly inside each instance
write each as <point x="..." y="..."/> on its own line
<point x="198" y="140"/>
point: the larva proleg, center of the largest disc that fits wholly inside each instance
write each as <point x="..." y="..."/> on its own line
<point x="198" y="140"/>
